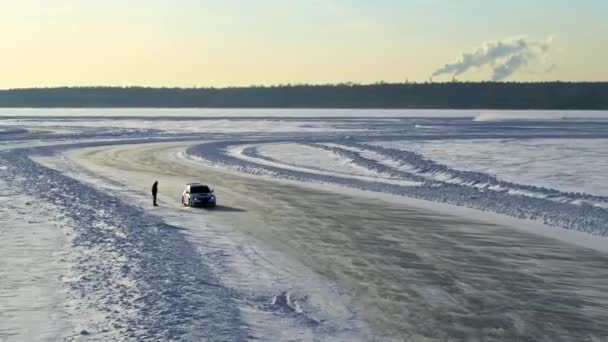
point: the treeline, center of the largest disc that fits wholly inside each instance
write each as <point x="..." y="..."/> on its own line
<point x="455" y="95"/>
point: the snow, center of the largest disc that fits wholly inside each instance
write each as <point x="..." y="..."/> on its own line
<point x="340" y="166"/>
<point x="571" y="165"/>
<point x="537" y="115"/>
<point x="30" y="258"/>
<point x="310" y="157"/>
<point x="332" y="225"/>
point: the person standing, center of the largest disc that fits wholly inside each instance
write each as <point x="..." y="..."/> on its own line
<point x="154" y="192"/>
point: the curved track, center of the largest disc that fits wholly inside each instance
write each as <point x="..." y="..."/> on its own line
<point x="414" y="273"/>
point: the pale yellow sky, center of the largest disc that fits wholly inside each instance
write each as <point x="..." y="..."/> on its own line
<point x="244" y="42"/>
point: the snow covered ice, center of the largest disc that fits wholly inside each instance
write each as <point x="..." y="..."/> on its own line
<point x="332" y="225"/>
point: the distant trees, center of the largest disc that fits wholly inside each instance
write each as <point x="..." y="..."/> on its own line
<point x="453" y="95"/>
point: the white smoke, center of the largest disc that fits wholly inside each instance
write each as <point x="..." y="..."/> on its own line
<point x="504" y="57"/>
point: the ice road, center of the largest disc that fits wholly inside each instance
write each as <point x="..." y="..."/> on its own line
<point x="331" y="225"/>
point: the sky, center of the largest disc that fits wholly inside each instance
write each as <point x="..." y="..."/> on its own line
<point x="220" y="43"/>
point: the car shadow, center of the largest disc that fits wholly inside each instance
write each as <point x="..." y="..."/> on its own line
<point x="227" y="209"/>
<point x="170" y="226"/>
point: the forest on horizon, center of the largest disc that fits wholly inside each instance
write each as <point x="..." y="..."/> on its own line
<point x="452" y="95"/>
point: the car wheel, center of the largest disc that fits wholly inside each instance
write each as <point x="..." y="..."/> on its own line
<point x="183" y="203"/>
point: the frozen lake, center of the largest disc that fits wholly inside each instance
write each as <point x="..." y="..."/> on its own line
<point x="332" y="225"/>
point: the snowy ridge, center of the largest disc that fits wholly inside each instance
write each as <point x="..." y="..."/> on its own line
<point x="252" y="153"/>
<point x="441" y="184"/>
<point x="417" y="164"/>
<point x="359" y="159"/>
<point x="10" y="130"/>
<point x="219" y="153"/>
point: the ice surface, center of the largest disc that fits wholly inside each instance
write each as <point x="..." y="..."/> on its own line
<point x="182" y="125"/>
<point x="295" y="112"/>
<point x="100" y="264"/>
<point x="416" y="273"/>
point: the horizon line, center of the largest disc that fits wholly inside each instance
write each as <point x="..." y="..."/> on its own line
<point x="291" y="85"/>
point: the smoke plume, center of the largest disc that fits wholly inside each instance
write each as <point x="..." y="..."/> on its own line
<point x="504" y="57"/>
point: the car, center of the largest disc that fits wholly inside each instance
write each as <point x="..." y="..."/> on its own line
<point x="198" y="195"/>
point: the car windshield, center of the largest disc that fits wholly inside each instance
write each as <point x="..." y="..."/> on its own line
<point x="200" y="189"/>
